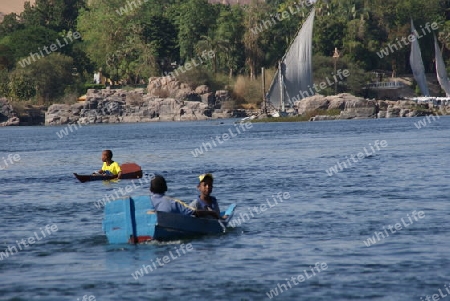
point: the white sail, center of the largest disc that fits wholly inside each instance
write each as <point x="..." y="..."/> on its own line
<point x="293" y="79"/>
<point x="440" y="69"/>
<point x="415" y="60"/>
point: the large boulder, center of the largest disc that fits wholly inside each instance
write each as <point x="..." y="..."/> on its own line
<point x="169" y="87"/>
<point x="336" y="103"/>
<point x="208" y="99"/>
<point x="221" y="97"/>
<point x="13" y="121"/>
<point x="393" y="111"/>
<point x="312" y="103"/>
<point x="202" y="89"/>
<point x="58" y="114"/>
<point x="350" y="106"/>
<point x="7" y="113"/>
<point x="358" y="108"/>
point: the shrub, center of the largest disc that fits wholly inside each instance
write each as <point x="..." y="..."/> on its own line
<point x="201" y="76"/>
<point x="246" y="90"/>
<point x="93" y="86"/>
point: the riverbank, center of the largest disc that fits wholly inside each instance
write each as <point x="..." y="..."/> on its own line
<point x="169" y="100"/>
<point x="347" y="106"/>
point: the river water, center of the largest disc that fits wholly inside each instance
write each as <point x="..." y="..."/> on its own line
<point x="301" y="230"/>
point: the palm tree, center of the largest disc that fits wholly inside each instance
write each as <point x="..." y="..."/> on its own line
<point x="208" y="43"/>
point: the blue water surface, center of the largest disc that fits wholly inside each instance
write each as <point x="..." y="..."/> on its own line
<point x="324" y="219"/>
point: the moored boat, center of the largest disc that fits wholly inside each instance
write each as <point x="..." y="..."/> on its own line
<point x="134" y="220"/>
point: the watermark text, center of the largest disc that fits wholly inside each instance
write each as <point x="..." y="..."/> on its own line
<point x="146" y="269"/>
<point x="238" y="129"/>
<point x="405" y="41"/>
<point x="33" y="57"/>
<point x="26" y="243"/>
<point x="244" y="217"/>
<point x="340" y="166"/>
<point x="398" y="226"/>
<point x="282" y="287"/>
<point x="8" y="161"/>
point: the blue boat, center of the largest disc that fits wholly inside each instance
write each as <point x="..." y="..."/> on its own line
<point x="134" y="220"/>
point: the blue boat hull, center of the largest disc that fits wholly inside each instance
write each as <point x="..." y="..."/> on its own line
<point x="134" y="220"/>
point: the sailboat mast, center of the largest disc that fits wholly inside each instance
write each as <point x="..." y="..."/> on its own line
<point x="280" y="78"/>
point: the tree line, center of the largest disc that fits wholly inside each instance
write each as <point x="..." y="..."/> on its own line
<point x="41" y="58"/>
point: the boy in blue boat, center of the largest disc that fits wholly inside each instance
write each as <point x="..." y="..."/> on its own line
<point x="109" y="167"/>
<point x="158" y="188"/>
<point x="205" y="201"/>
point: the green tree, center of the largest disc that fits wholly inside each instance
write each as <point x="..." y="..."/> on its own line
<point x="47" y="79"/>
<point x="104" y="32"/>
<point x="208" y="43"/>
<point x="195" y="18"/>
<point x="9" y="25"/>
<point x="4" y="83"/>
<point x="160" y="34"/>
<point x="58" y="15"/>
<point x="324" y="68"/>
<point x="229" y="32"/>
<point x="6" y="58"/>
<point x="254" y="54"/>
<point x="30" y="40"/>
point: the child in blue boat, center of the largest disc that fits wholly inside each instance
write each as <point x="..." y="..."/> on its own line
<point x="110" y="168"/>
<point x="205" y="201"/>
<point x="158" y="188"/>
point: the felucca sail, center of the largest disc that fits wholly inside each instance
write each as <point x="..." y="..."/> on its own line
<point x="293" y="79"/>
<point x="440" y="69"/>
<point x="415" y="60"/>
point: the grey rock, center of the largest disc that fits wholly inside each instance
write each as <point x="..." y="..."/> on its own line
<point x="203" y="89"/>
<point x="312" y="103"/>
<point x="13" y="121"/>
<point x="208" y="99"/>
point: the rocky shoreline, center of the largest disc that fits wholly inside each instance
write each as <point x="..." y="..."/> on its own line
<point x="119" y="106"/>
<point x="169" y="100"/>
<point x="351" y="107"/>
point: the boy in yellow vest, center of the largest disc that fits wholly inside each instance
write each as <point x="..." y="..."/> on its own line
<point x="110" y="167"/>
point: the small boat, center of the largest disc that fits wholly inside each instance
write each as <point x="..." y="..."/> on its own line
<point x="129" y="171"/>
<point x="133" y="220"/>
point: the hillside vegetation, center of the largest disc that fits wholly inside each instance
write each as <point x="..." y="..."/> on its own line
<point x="53" y="47"/>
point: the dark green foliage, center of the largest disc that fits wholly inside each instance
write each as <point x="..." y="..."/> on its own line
<point x="31" y="40"/>
<point x="9" y="25"/>
<point x="161" y="34"/>
<point x="47" y="78"/>
<point x="201" y="76"/>
<point x="195" y="19"/>
<point x="131" y="43"/>
<point x="58" y="15"/>
<point x="7" y="60"/>
<point x="4" y="83"/>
